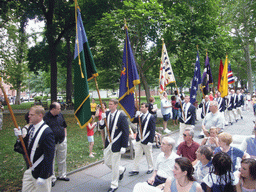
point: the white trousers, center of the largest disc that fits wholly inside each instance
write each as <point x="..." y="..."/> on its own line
<point x="139" y="149"/>
<point x="183" y="126"/>
<point x="60" y="156"/>
<point x="145" y="187"/>
<point x="238" y="112"/>
<point x="228" y="116"/>
<point x="112" y="160"/>
<point x="29" y="183"/>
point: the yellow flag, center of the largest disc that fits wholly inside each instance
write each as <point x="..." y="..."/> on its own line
<point x="224" y="79"/>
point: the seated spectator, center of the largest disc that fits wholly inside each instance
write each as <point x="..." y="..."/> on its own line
<point x="212" y="140"/>
<point x="225" y="139"/>
<point x="188" y="147"/>
<point x="249" y="144"/>
<point x="247" y="178"/>
<point x="163" y="168"/>
<point x="221" y="177"/>
<point x="183" y="179"/>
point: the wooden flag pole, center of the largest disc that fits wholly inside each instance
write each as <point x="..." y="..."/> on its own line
<point x="103" y="110"/>
<point x="138" y="108"/>
<point x="16" y="125"/>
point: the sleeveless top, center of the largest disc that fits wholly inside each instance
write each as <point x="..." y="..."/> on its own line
<point x="174" y="187"/>
<point x="246" y="190"/>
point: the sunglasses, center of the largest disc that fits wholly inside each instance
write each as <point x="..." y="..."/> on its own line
<point x="184" y="135"/>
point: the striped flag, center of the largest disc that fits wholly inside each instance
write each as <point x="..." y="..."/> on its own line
<point x="166" y="74"/>
<point x="230" y="75"/>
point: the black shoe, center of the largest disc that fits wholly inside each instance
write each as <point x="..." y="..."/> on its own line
<point x="201" y="136"/>
<point x="53" y="183"/>
<point x="236" y="120"/>
<point x="231" y="123"/>
<point x="241" y="117"/>
<point x="122" y="175"/>
<point x="157" y="146"/>
<point x="149" y="171"/>
<point x="133" y="173"/>
<point x="112" y="190"/>
<point x="63" y="178"/>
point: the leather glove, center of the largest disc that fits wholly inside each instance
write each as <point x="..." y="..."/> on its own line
<point x="40" y="181"/>
<point x="17" y="132"/>
<point x="103" y="115"/>
<point x="137" y="113"/>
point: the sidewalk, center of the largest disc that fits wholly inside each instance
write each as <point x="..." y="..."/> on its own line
<point x="97" y="178"/>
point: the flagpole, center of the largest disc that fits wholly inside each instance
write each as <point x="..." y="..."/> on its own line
<point x="103" y="110"/>
<point x="16" y="125"/>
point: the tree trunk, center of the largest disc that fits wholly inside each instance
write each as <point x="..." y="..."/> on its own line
<point x="69" y="70"/>
<point x="17" y="100"/>
<point x="145" y="85"/>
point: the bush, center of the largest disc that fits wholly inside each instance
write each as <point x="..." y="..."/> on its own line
<point x="38" y="98"/>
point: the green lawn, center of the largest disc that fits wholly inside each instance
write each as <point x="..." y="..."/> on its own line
<point x="12" y="164"/>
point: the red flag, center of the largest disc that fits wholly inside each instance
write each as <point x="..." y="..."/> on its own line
<point x="220" y="74"/>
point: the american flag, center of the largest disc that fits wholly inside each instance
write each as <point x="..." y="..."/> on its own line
<point x="166" y="74"/>
<point x="196" y="80"/>
<point x="230" y="75"/>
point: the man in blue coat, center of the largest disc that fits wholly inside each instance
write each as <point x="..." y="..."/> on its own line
<point x="40" y="145"/>
<point x="116" y="138"/>
<point x="144" y="139"/>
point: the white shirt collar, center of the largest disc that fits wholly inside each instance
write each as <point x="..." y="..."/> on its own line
<point x="37" y="126"/>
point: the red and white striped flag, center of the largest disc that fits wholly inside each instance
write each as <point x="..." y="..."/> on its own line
<point x="231" y="78"/>
<point x="166" y="74"/>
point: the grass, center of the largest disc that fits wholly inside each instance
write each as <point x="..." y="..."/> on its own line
<point x="12" y="164"/>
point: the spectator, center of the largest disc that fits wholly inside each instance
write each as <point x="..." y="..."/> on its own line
<point x="163" y="169"/>
<point x="1" y="115"/>
<point x="93" y="107"/>
<point x="204" y="163"/>
<point x="212" y="140"/>
<point x="183" y="179"/>
<point x="152" y="109"/>
<point x="166" y="111"/>
<point x="90" y="132"/>
<point x="213" y="119"/>
<point x="249" y="144"/>
<point x="211" y="96"/>
<point x="254" y="104"/>
<point x="221" y="177"/>
<point x="225" y="139"/>
<point x="175" y="111"/>
<point x="189" y="147"/>
<point x="247" y="179"/>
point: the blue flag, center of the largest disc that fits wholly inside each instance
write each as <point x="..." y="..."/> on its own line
<point x="196" y="81"/>
<point x="207" y="76"/>
<point x="129" y="79"/>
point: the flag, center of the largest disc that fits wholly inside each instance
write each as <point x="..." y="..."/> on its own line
<point x="230" y="75"/>
<point x="196" y="80"/>
<point x="166" y="74"/>
<point x="129" y="79"/>
<point x="220" y="74"/>
<point x="224" y="80"/>
<point x="84" y="70"/>
<point x="207" y="76"/>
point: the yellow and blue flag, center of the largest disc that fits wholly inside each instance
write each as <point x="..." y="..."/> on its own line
<point x="129" y="79"/>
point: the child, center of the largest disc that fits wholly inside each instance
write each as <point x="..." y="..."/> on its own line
<point x="212" y="140"/>
<point x="90" y="134"/>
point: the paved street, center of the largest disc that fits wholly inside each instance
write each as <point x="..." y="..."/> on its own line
<point x="97" y="178"/>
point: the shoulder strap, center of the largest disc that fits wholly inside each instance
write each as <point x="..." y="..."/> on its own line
<point x="33" y="150"/>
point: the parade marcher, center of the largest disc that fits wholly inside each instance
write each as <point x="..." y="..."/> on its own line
<point x="187" y="117"/>
<point x="213" y="119"/>
<point x="119" y="135"/>
<point x="239" y="105"/>
<point x="57" y="123"/>
<point x="39" y="142"/>
<point x="183" y="178"/>
<point x="248" y="99"/>
<point x="249" y="144"/>
<point x="188" y="147"/>
<point x="221" y="102"/>
<point x="234" y="104"/>
<point x="163" y="169"/>
<point x="229" y="111"/>
<point x="166" y="111"/>
<point x="205" y="106"/>
<point x="144" y="139"/>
